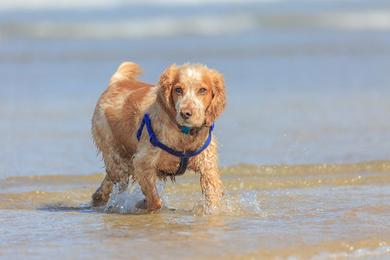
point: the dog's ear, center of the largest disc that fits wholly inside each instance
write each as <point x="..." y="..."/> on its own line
<point x="218" y="102"/>
<point x="167" y="80"/>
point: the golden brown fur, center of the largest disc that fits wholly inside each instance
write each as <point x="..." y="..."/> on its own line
<point x="191" y="95"/>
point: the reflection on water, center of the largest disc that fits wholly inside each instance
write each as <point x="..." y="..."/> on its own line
<point x="318" y="211"/>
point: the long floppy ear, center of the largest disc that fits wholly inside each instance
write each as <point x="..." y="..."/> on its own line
<point x="218" y="102"/>
<point x="167" y="80"/>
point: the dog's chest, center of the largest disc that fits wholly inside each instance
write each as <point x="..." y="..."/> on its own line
<point x="169" y="163"/>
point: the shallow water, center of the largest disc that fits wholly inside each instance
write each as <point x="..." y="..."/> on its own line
<point x="308" y="95"/>
<point x="317" y="211"/>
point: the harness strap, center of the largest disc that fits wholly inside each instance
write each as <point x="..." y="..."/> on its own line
<point x="180" y="170"/>
<point x="184" y="156"/>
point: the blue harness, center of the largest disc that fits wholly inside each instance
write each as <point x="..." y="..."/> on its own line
<point x="184" y="156"/>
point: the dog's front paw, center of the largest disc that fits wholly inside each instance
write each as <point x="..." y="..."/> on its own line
<point x="98" y="199"/>
<point x="153" y="206"/>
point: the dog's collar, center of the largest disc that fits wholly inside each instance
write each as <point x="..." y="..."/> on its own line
<point x="189" y="130"/>
<point x="184" y="156"/>
<point x="185" y="129"/>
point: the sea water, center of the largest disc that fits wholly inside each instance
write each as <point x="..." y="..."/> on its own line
<point x="304" y="141"/>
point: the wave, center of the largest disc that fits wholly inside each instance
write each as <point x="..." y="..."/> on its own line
<point x="198" y="24"/>
<point x="130" y="28"/>
<point x="276" y="176"/>
<point x="310" y="169"/>
<point x="73" y="4"/>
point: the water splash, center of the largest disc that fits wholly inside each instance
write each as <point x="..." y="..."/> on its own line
<point x="131" y="201"/>
<point x="237" y="204"/>
<point x="124" y="202"/>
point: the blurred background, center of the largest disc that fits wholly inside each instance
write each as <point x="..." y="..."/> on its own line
<point x="308" y="81"/>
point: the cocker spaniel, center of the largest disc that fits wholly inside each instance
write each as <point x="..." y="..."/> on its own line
<point x="158" y="131"/>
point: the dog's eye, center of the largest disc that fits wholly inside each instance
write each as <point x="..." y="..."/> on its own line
<point x="179" y="90"/>
<point x="202" y="91"/>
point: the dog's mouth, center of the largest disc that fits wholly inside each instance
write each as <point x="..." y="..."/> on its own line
<point x="189" y="123"/>
<point x="188" y="127"/>
<point x="183" y="122"/>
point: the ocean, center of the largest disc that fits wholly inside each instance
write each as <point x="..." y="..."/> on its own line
<point x="304" y="141"/>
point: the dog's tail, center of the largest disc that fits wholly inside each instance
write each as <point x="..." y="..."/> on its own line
<point x="128" y="70"/>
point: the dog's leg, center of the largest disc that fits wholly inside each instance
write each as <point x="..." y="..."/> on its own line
<point x="210" y="182"/>
<point x="148" y="187"/>
<point x="211" y="185"/>
<point x="102" y="194"/>
<point x="146" y="176"/>
<point x="118" y="171"/>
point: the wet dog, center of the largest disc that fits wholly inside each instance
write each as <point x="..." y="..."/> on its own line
<point x="181" y="107"/>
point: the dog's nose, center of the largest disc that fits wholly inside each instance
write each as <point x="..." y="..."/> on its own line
<point x="186" y="114"/>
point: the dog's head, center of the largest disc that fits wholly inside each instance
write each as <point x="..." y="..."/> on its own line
<point x="193" y="93"/>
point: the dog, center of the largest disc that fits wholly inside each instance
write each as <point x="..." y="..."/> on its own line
<point x="180" y="110"/>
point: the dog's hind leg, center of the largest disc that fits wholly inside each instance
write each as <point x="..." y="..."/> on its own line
<point x="102" y="194"/>
<point x="118" y="171"/>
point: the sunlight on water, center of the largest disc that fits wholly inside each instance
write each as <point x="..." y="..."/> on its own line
<point x="374" y="253"/>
